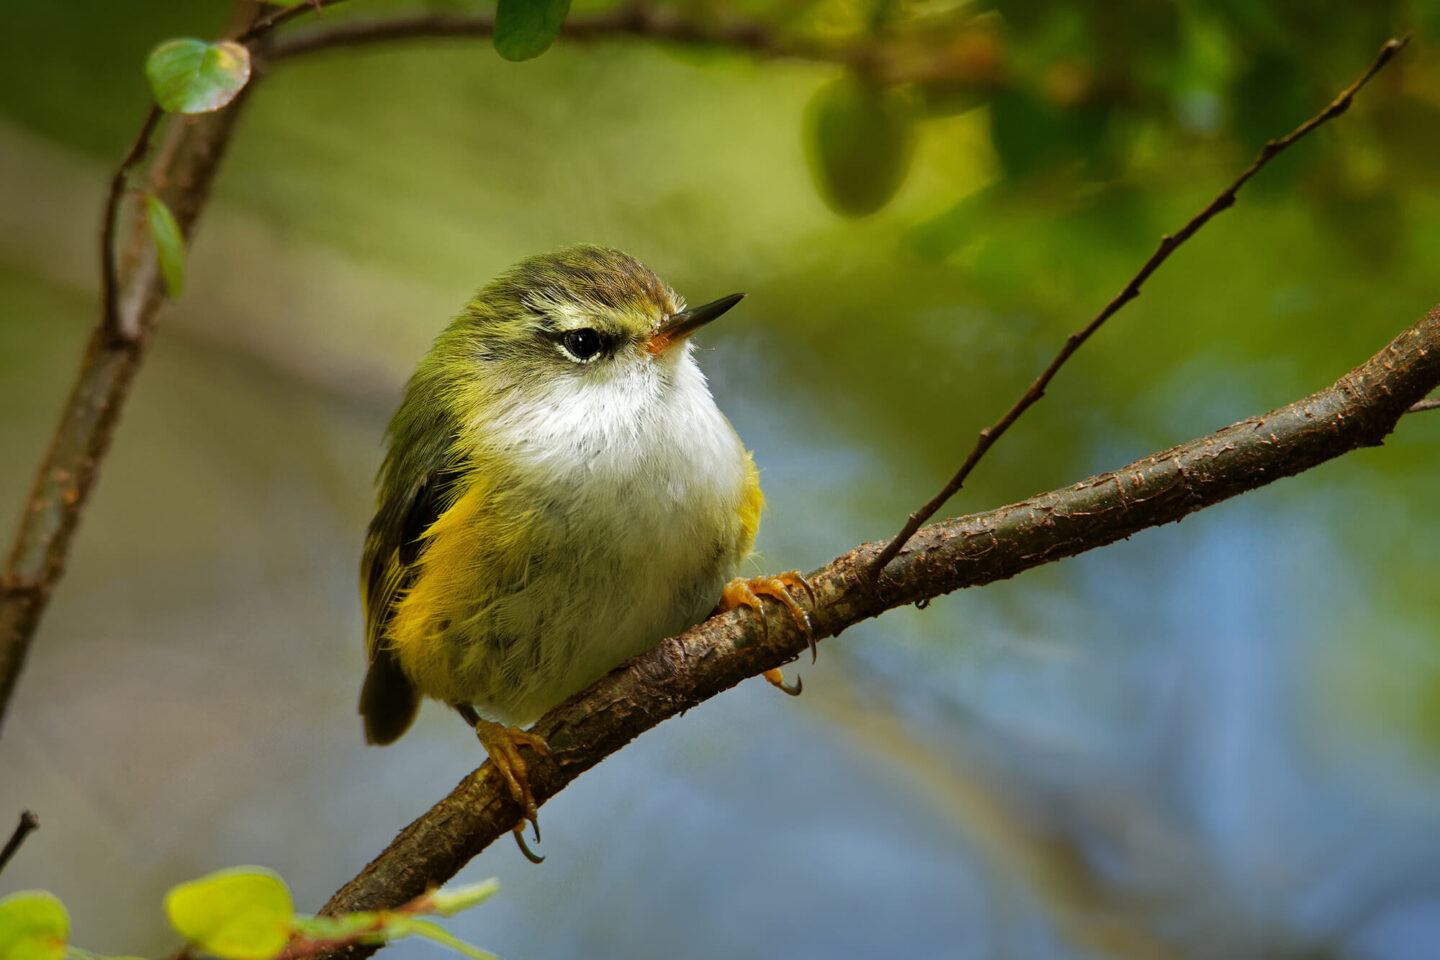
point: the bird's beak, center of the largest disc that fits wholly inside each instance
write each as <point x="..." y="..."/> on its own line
<point x="681" y="325"/>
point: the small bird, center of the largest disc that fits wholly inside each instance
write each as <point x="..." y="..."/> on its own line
<point x="559" y="493"/>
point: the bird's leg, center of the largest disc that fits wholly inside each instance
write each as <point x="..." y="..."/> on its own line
<point x="747" y="593"/>
<point x="503" y="745"/>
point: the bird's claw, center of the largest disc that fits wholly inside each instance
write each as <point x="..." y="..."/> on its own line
<point x="526" y="852"/>
<point x="777" y="679"/>
<point x="747" y="593"/>
<point x="503" y="745"/>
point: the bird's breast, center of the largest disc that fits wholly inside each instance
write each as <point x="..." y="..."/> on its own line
<point x="634" y="516"/>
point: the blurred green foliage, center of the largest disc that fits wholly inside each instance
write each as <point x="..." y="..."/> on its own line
<point x="524" y="29"/>
<point x="860" y="141"/>
<point x="34" y="925"/>
<point x="243" y="913"/>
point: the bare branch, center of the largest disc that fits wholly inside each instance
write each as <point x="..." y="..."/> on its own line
<point x="1359" y="410"/>
<point x="1168" y="245"/>
<point x="28" y="823"/>
<point x="264" y="25"/>
<point x="637" y="21"/>
<point x="1424" y="405"/>
<point x="889" y="61"/>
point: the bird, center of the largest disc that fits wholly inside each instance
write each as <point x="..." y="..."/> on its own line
<point x="559" y="492"/>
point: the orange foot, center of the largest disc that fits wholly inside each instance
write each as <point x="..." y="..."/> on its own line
<point x="747" y="593"/>
<point x="503" y="745"/>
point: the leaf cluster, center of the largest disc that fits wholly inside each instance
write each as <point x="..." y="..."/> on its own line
<point x="243" y="913"/>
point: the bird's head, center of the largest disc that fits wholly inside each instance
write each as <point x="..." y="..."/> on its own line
<point x="583" y="315"/>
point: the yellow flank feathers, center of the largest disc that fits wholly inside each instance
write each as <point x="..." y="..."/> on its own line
<point x="752" y="504"/>
<point x="477" y="545"/>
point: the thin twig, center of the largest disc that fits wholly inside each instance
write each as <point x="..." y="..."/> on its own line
<point x="1425" y="405"/>
<point x="891" y="60"/>
<point x="29" y="822"/>
<point x="1168" y="245"/>
<point x="109" y="283"/>
<point x="634" y="21"/>
<point x="1357" y="411"/>
<point x="265" y="24"/>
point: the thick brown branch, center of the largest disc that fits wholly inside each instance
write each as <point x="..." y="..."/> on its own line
<point x="1168" y="245"/>
<point x="1359" y="410"/>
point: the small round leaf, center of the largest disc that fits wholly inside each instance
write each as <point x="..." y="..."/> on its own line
<point x="525" y="28"/>
<point x="169" y="244"/>
<point x="859" y="137"/>
<point x="33" y="926"/>
<point x="244" y="913"/>
<point x="192" y="76"/>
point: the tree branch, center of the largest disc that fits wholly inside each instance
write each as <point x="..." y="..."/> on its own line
<point x="634" y="21"/>
<point x="133" y="293"/>
<point x="889" y="61"/>
<point x="264" y="25"/>
<point x="1168" y="245"/>
<point x="182" y="175"/>
<point x="28" y="823"/>
<point x="1359" y="410"/>
<point x="109" y="279"/>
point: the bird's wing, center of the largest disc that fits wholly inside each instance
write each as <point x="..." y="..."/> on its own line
<point x="419" y="482"/>
<point x="392" y="547"/>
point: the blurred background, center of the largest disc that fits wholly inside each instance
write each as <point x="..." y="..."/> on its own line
<point x="1218" y="739"/>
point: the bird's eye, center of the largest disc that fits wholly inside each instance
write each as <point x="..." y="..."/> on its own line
<point x="583" y="344"/>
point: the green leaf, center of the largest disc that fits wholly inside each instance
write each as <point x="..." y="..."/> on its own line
<point x="859" y="138"/>
<point x="452" y="900"/>
<point x="169" y="244"/>
<point x="407" y="926"/>
<point x="525" y="28"/>
<point x="243" y="913"/>
<point x="33" y="926"/>
<point x="192" y="76"/>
